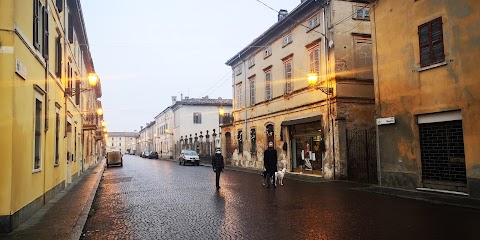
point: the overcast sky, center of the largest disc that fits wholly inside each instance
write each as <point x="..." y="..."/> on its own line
<point x="146" y="51"/>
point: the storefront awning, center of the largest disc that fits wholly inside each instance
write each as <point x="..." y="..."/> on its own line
<point x="289" y="122"/>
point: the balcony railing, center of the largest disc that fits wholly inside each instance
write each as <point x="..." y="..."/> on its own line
<point x="227" y="119"/>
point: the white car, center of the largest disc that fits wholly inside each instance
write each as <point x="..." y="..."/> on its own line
<point x="189" y="156"/>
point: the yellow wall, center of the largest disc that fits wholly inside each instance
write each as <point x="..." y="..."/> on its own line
<point x="19" y="183"/>
<point x="7" y="69"/>
<point x="404" y="91"/>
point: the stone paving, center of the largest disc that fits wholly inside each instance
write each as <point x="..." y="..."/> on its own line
<point x="158" y="199"/>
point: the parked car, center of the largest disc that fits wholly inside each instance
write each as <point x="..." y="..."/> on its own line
<point x="153" y="155"/>
<point x="114" y="158"/>
<point x="144" y="154"/>
<point x="189" y="156"/>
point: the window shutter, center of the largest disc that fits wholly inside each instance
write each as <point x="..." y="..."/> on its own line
<point x="36" y="21"/>
<point x="59" y="4"/>
<point x="58" y="66"/>
<point x="430" y="36"/>
<point x="45" y="33"/>
<point x="437" y="41"/>
<point x="424" y="40"/>
<point x="77" y="92"/>
<point x="70" y="27"/>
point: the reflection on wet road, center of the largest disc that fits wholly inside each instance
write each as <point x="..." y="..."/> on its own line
<point x="159" y="199"/>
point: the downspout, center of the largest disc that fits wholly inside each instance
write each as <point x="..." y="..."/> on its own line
<point x="327" y="78"/>
<point x="379" y="171"/>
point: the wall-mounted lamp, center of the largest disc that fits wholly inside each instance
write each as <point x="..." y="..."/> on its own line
<point x="92" y="80"/>
<point x="312" y="81"/>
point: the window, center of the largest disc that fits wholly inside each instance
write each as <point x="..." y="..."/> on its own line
<point x="362" y="12"/>
<point x="112" y="144"/>
<point x="120" y="139"/>
<point x="267" y="52"/>
<point x="268" y="85"/>
<point x="238" y="70"/>
<point x="57" y="135"/>
<point x="197" y="118"/>
<point x="313" y="22"/>
<point x="36" y="23"/>
<point x="253" y="140"/>
<point x="240" y="142"/>
<point x="314" y="56"/>
<point x="38" y="134"/>
<point x="270" y="132"/>
<point x="288" y="75"/>
<point x="252" y="90"/>
<point x="120" y="144"/>
<point x="238" y="94"/>
<point x="287" y="39"/>
<point x="251" y="62"/>
<point x="430" y="36"/>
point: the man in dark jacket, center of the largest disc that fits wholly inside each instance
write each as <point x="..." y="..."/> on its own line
<point x="270" y="163"/>
<point x="217" y="164"/>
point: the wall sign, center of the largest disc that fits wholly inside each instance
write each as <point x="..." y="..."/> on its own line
<point x="384" y="121"/>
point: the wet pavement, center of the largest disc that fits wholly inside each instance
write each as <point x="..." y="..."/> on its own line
<point x="159" y="199"/>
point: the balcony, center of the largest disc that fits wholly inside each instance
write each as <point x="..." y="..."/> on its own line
<point x="226" y="119"/>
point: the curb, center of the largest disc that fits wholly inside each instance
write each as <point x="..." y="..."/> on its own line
<point x="82" y="219"/>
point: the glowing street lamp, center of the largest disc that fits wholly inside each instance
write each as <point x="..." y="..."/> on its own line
<point x="221" y="111"/>
<point x="92" y="79"/>
<point x="100" y="111"/>
<point x="312" y="78"/>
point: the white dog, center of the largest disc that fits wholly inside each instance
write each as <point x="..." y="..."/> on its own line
<point x="279" y="176"/>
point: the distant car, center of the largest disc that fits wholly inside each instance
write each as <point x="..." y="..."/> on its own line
<point x="153" y="155"/>
<point x="189" y="156"/>
<point x="144" y="154"/>
<point x="114" y="158"/>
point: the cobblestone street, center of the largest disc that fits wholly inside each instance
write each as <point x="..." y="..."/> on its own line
<point x="159" y="199"/>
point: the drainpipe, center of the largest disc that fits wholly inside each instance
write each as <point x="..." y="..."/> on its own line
<point x="379" y="171"/>
<point x="330" y="119"/>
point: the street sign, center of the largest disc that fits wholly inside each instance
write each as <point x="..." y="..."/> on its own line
<point x="384" y="121"/>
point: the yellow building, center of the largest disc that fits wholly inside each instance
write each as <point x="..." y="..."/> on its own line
<point x="311" y="124"/>
<point x="46" y="100"/>
<point x="427" y="92"/>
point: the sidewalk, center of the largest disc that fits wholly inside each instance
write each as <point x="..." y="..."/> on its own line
<point x="65" y="215"/>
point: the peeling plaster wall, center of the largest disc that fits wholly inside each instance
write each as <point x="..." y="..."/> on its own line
<point x="402" y="91"/>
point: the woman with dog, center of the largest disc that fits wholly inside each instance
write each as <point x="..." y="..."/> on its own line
<point x="270" y="163"/>
<point x="218" y="165"/>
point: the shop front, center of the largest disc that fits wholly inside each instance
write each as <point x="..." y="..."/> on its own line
<point x="307" y="145"/>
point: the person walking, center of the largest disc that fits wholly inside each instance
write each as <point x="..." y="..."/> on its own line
<point x="218" y="165"/>
<point x="270" y="164"/>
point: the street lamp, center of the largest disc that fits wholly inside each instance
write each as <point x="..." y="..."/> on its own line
<point x="312" y="81"/>
<point x="221" y="111"/>
<point x="92" y="81"/>
<point x="104" y="124"/>
<point x="100" y="111"/>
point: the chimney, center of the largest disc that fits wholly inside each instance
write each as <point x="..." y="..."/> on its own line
<point x="141" y="127"/>
<point x="186" y="97"/>
<point x="282" y="14"/>
<point x="181" y="96"/>
<point x="174" y="99"/>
